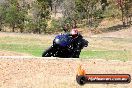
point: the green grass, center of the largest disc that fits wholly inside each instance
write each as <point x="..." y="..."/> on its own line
<point x="28" y="44"/>
<point x="110" y="54"/>
<point x="35" y="50"/>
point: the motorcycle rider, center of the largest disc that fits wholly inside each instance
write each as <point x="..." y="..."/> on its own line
<point x="76" y="36"/>
<point x="69" y="45"/>
<point x="76" y="41"/>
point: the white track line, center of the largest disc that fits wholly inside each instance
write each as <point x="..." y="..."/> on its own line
<point x="56" y="58"/>
<point x="32" y="57"/>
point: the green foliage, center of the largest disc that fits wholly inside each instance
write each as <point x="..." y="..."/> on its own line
<point x="30" y="26"/>
<point x="36" y="27"/>
<point x="11" y="16"/>
<point x="41" y="15"/>
<point x="55" y="26"/>
<point x="2" y="15"/>
<point x="89" y="10"/>
<point x="95" y="10"/>
<point x="125" y="6"/>
<point x="14" y="14"/>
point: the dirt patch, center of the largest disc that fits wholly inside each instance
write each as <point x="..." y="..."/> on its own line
<point x="124" y="33"/>
<point x="45" y="73"/>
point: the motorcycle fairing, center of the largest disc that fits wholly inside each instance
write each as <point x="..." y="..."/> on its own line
<point x="63" y="40"/>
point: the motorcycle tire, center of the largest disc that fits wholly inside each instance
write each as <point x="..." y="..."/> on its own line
<point x="48" y="52"/>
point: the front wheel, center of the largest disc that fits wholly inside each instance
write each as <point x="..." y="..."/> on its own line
<point x="48" y="52"/>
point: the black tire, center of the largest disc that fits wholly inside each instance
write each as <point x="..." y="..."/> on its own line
<point x="48" y="52"/>
<point x="81" y="80"/>
<point x="76" y="54"/>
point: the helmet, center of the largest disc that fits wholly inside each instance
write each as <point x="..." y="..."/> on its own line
<point x="74" y="32"/>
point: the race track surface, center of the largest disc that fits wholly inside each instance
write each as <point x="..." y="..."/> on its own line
<point x="34" y="72"/>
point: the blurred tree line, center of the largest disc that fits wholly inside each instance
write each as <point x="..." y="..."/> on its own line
<point x="36" y="16"/>
<point x="22" y="16"/>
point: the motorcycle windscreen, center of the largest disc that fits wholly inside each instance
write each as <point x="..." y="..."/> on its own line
<point x="62" y="40"/>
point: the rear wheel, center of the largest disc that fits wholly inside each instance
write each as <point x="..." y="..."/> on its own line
<point x="76" y="54"/>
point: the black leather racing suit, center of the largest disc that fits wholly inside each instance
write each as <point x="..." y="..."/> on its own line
<point x="76" y="45"/>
